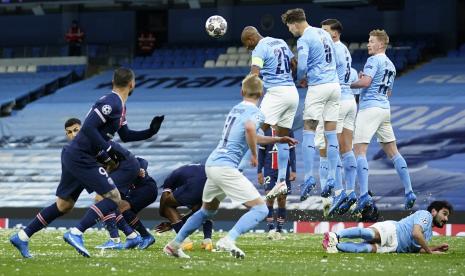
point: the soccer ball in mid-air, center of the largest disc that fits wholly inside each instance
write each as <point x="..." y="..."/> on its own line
<point x="216" y="26"/>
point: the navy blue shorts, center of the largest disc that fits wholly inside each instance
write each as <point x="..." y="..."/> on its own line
<point x="190" y="194"/>
<point x="80" y="171"/>
<point x="142" y="195"/>
<point x="271" y="177"/>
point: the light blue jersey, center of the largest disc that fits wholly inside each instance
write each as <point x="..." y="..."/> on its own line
<point x="273" y="57"/>
<point x="343" y="66"/>
<point x="233" y="144"/>
<point x="316" y="57"/>
<point x="354" y="78"/>
<point x="404" y="229"/>
<point x="380" y="68"/>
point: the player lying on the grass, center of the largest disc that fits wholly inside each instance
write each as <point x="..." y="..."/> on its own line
<point x="267" y="172"/>
<point x="184" y="187"/>
<point x="80" y="169"/>
<point x="409" y="235"/>
<point x="223" y="177"/>
<point x="132" y="179"/>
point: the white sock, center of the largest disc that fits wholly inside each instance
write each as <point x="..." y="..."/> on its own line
<point x="116" y="240"/>
<point x="133" y="235"/>
<point x="22" y="235"/>
<point x="76" y="231"/>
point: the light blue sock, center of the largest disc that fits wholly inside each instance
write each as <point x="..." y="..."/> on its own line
<point x="338" y="184"/>
<point x="193" y="223"/>
<point x="332" y="150"/>
<point x="323" y="171"/>
<point x="402" y="171"/>
<point x="351" y="247"/>
<point x="248" y="221"/>
<point x="362" y="174"/>
<point x="350" y="169"/>
<point x="283" y="160"/>
<point x="308" y="152"/>
<point x="357" y="233"/>
<point x="245" y="162"/>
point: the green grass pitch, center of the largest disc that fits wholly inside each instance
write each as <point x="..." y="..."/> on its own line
<point x="298" y="254"/>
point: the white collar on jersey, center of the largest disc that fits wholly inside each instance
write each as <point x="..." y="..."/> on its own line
<point x="122" y="103"/>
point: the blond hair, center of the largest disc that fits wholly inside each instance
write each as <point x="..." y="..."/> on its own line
<point x="252" y="86"/>
<point x="381" y="35"/>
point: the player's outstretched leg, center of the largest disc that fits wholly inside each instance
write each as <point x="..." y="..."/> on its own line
<point x="248" y="221"/>
<point x="95" y="212"/>
<point x="20" y="240"/>
<point x="173" y="248"/>
<point x="207" y="243"/>
<point x="114" y="242"/>
<point x="308" y="153"/>
<point x="351" y="247"/>
<point x="402" y="170"/>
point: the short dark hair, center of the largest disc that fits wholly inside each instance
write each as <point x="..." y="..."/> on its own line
<point x="293" y="16"/>
<point x="439" y="204"/>
<point x="122" y="77"/>
<point x="72" y="121"/>
<point x="334" y="24"/>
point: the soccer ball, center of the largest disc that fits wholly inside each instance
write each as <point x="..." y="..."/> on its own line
<point x="216" y="26"/>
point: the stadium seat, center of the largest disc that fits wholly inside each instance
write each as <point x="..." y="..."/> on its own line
<point x="231" y="50"/>
<point x="22" y="69"/>
<point x="354" y="46"/>
<point x="222" y="57"/>
<point x="242" y="50"/>
<point x="31" y="68"/>
<point x="220" y="63"/>
<point x="231" y="63"/>
<point x="209" y="63"/>
<point x="234" y="57"/>
<point x="12" y="69"/>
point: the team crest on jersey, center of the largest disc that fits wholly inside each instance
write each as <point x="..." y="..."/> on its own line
<point x="106" y="109"/>
<point x="424" y="220"/>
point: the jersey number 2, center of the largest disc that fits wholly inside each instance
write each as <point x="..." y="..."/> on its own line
<point x="283" y="58"/>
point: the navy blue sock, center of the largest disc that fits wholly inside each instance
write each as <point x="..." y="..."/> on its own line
<point x="123" y="224"/>
<point x="270" y="218"/>
<point x="43" y="218"/>
<point x="281" y="218"/>
<point x="177" y="226"/>
<point x="135" y="223"/>
<point x="95" y="212"/>
<point x="207" y="229"/>
<point x="110" y="224"/>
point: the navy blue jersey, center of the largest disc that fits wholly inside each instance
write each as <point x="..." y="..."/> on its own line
<point x="268" y="156"/>
<point x="187" y="183"/>
<point x="102" y="122"/>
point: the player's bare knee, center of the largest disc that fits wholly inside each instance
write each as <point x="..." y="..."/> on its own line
<point x="113" y="195"/>
<point x="310" y="124"/>
<point x="282" y="201"/>
<point x="65" y="205"/>
<point x="98" y="198"/>
<point x="282" y="131"/>
<point x="213" y="205"/>
<point x="124" y="206"/>
<point x="390" y="149"/>
<point x="252" y="203"/>
<point x="377" y="236"/>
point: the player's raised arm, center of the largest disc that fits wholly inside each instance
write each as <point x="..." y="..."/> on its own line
<point x="128" y="135"/>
